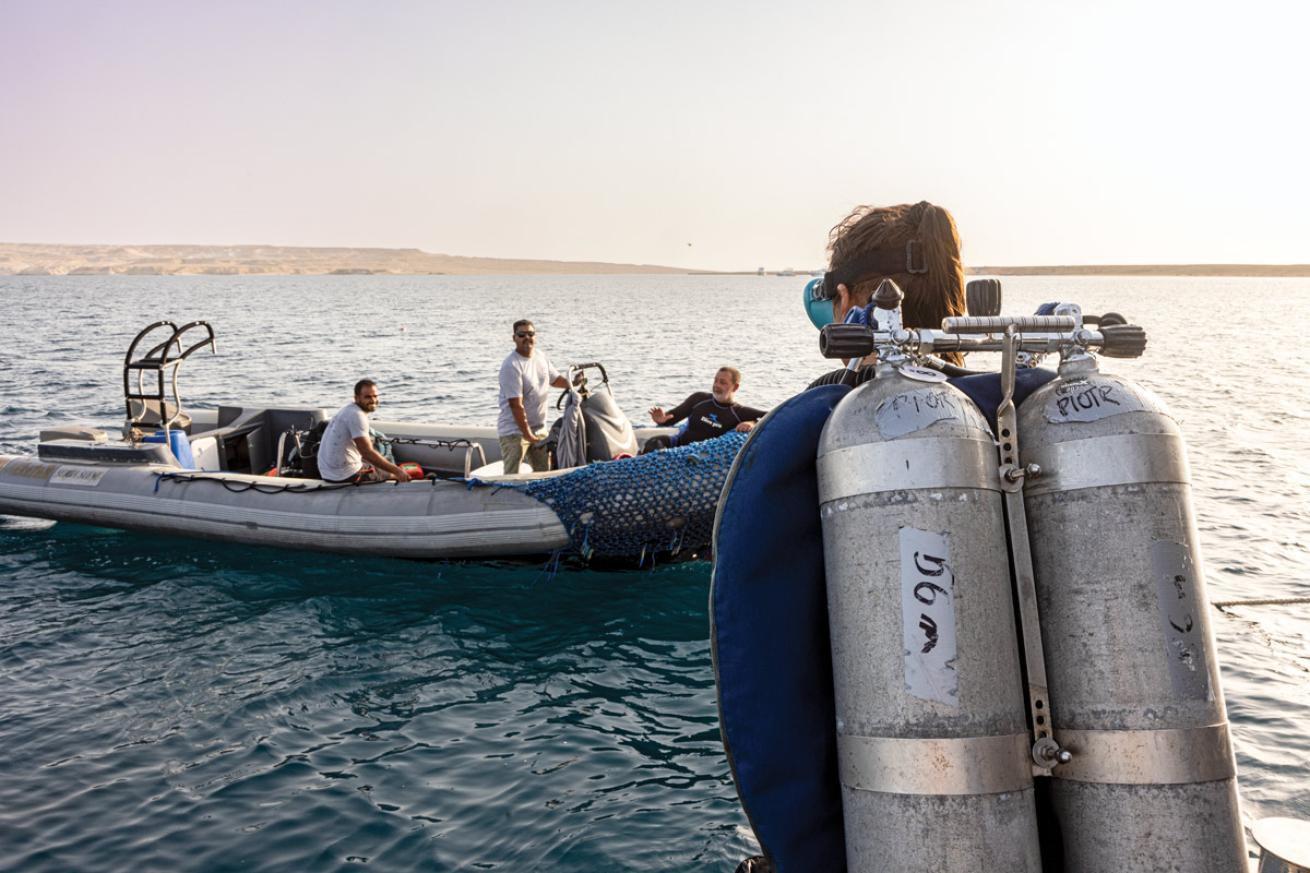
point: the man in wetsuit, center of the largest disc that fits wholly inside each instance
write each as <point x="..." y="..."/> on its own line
<point x="708" y="413"/>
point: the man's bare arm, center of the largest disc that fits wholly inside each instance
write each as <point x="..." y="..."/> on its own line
<point x="521" y="418"/>
<point x="370" y="454"/>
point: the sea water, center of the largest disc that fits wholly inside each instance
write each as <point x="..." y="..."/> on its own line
<point x="172" y="704"/>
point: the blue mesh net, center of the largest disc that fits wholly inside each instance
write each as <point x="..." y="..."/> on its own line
<point x="638" y="507"/>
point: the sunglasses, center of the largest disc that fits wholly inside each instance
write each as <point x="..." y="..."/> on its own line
<point x="525" y="333"/>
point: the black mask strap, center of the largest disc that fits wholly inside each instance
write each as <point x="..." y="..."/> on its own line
<point x="879" y="262"/>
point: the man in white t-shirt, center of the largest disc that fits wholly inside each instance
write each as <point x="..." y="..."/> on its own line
<point x="346" y="452"/>
<point x="525" y="380"/>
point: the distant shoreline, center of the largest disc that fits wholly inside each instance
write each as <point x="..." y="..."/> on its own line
<point x="38" y="259"/>
<point x="1235" y="270"/>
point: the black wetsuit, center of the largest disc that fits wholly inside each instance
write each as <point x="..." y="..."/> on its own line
<point x="707" y="418"/>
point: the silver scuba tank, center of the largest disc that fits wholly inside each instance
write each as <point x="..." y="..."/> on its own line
<point x="1133" y="683"/>
<point x="933" y="747"/>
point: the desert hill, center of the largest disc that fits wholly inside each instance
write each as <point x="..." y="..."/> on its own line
<point x="38" y="259"/>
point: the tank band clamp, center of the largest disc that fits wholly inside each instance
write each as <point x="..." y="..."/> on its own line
<point x="879" y="468"/>
<point x="959" y="766"/>
<point x="1103" y="462"/>
<point x="1169" y="757"/>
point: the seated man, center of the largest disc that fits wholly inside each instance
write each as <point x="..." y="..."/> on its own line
<point x="346" y="444"/>
<point x="708" y="413"/>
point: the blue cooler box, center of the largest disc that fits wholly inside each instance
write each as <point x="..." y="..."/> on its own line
<point x="178" y="444"/>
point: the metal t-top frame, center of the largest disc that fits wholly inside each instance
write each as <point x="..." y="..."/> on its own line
<point x="164" y="360"/>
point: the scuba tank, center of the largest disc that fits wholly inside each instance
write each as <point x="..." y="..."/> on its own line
<point x="932" y="740"/>
<point x="1134" y="687"/>
<point x="1129" y="723"/>
<point x="845" y="735"/>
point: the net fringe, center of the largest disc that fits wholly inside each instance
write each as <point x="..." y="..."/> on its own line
<point x="662" y="502"/>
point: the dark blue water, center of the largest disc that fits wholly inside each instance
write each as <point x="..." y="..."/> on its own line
<point x="188" y="706"/>
<point x="181" y="705"/>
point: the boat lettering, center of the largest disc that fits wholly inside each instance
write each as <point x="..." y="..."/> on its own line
<point x="928" y="616"/>
<point x="86" y="477"/>
<point x="29" y="469"/>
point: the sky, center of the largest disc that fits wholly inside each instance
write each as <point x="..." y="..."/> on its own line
<point x="714" y="135"/>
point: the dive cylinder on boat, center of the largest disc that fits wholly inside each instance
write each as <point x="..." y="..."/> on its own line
<point x="1133" y="683"/>
<point x="932" y="741"/>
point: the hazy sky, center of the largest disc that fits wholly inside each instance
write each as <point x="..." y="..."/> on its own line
<point x="1056" y="132"/>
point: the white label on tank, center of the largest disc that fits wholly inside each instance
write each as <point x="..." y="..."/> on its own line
<point x="87" y="477"/>
<point x="921" y="374"/>
<point x="924" y="407"/>
<point x="1181" y="616"/>
<point x="1093" y="398"/>
<point x="928" y="616"/>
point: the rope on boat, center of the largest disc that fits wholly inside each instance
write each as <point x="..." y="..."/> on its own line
<point x="236" y="487"/>
<point x="1267" y="601"/>
<point x="460" y="443"/>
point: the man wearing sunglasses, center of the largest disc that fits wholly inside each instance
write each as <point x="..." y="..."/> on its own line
<point x="526" y="377"/>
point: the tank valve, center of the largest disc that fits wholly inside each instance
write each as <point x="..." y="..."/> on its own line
<point x="845" y="341"/>
<point x="1123" y="340"/>
<point x="888" y="295"/>
<point x="1047" y="753"/>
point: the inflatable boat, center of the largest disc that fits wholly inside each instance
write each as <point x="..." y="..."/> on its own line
<point x="238" y="474"/>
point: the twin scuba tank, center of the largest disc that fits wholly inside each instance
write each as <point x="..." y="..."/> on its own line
<point x="943" y="719"/>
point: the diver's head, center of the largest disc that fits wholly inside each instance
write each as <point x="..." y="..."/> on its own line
<point x="726" y="382"/>
<point x="917" y="246"/>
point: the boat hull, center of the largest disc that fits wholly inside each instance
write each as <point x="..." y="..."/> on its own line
<point x="422" y="519"/>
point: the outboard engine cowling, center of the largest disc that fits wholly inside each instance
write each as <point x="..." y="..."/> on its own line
<point x="932" y="739"/>
<point x="609" y="432"/>
<point x="592" y="427"/>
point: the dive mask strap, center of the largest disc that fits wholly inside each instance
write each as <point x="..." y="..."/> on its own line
<point x="880" y="262"/>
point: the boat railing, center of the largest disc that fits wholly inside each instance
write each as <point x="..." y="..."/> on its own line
<point x="471" y="449"/>
<point x="575" y="370"/>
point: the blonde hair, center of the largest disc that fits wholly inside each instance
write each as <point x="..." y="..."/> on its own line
<point x="734" y="373"/>
<point x="929" y="296"/>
